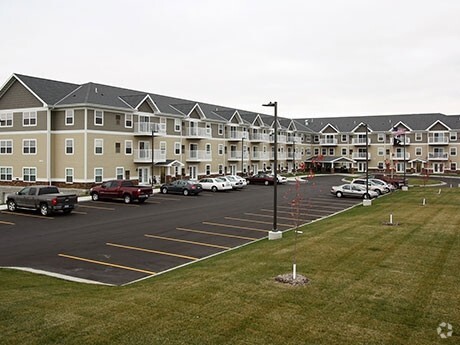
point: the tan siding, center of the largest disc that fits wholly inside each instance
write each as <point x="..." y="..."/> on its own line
<point x="18" y="97"/>
<point x="145" y="108"/>
<point x="61" y="160"/>
<point x="58" y="120"/>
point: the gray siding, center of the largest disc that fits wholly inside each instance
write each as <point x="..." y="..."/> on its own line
<point x="18" y="97"/>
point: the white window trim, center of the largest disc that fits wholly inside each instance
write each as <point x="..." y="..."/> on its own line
<point x="131" y="142"/>
<point x="421" y="151"/>
<point x="6" y="142"/>
<point x="129" y="117"/>
<point x="65" y="146"/>
<point x="102" y="147"/>
<point x="102" y="174"/>
<point x="23" y="174"/>
<point x="69" y="114"/>
<point x="176" y="145"/>
<point x="381" y="137"/>
<point x="453" y="136"/>
<point x="31" y="115"/>
<point x="23" y="147"/>
<point x="220" y="150"/>
<point x="65" y="175"/>
<point x="6" y="173"/>
<point x="418" y="136"/>
<point x="220" y="129"/>
<point x="122" y="172"/>
<point x="6" y="116"/>
<point x="453" y="151"/>
<point x="102" y="118"/>
<point x="177" y="125"/>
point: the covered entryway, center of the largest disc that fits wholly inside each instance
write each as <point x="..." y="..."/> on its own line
<point x="168" y="170"/>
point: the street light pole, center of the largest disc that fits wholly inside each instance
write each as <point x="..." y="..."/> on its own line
<point x="367" y="160"/>
<point x="404" y="157"/>
<point x="275" y="234"/>
<point x="242" y="155"/>
<point x="153" y="152"/>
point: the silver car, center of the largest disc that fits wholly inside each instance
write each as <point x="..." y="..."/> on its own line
<point x="353" y="190"/>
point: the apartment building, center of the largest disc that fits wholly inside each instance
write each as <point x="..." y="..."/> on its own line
<point x="77" y="135"/>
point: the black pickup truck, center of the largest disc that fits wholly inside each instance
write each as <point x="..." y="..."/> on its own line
<point x="46" y="199"/>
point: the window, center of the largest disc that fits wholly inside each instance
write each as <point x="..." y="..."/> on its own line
<point x="6" y="147"/>
<point x="220" y="129"/>
<point x="6" y="173"/>
<point x="208" y="148"/>
<point x="29" y="174"/>
<point x="220" y="149"/>
<point x="69" y="146"/>
<point x="69" y="116"/>
<point x="323" y="151"/>
<point x="418" y="151"/>
<point x="453" y="151"/>
<point x="453" y="136"/>
<point x="6" y="119"/>
<point x="177" y="125"/>
<point x="68" y="175"/>
<point x="380" y="151"/>
<point x="221" y="169"/>
<point x="98" y="146"/>
<point x="316" y="151"/>
<point x="380" y="165"/>
<point x="344" y="151"/>
<point x="29" y="146"/>
<point x="163" y="148"/>
<point x="208" y="169"/>
<point x="331" y="151"/>
<point x="128" y="147"/>
<point x="117" y="147"/>
<point x="453" y="166"/>
<point x="98" y="175"/>
<point x="128" y="120"/>
<point x="344" y="138"/>
<point x="316" y="139"/>
<point x="418" y="136"/>
<point x="381" y="138"/>
<point x="308" y="151"/>
<point x="98" y="118"/>
<point x="29" y="118"/>
<point x="177" y="148"/>
<point x="119" y="173"/>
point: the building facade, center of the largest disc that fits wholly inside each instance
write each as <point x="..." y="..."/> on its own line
<point x="78" y="135"/>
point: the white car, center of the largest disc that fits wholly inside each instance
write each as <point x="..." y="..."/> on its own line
<point x="236" y="184"/>
<point x="371" y="185"/>
<point x="388" y="186"/>
<point x="281" y="179"/>
<point x="215" y="183"/>
<point x="240" y="182"/>
<point x="353" y="190"/>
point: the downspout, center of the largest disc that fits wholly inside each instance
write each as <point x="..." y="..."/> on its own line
<point x="48" y="145"/>
<point x="85" y="147"/>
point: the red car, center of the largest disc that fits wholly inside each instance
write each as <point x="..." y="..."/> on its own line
<point x="261" y="178"/>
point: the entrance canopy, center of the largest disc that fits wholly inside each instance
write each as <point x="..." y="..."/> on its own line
<point x="170" y="163"/>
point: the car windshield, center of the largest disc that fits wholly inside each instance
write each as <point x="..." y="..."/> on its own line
<point x="220" y="179"/>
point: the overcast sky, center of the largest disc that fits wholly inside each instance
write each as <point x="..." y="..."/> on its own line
<point x="316" y="58"/>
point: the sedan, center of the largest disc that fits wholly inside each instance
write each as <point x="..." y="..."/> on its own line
<point x="353" y="190"/>
<point x="261" y="178"/>
<point x="234" y="182"/>
<point x="243" y="181"/>
<point x="279" y="178"/>
<point x="215" y="183"/>
<point x="185" y="187"/>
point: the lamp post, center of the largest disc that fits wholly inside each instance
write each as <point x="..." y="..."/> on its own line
<point x="275" y="234"/>
<point x="404" y="157"/>
<point x="242" y="154"/>
<point x="153" y="152"/>
<point x="367" y="201"/>
<point x="293" y="154"/>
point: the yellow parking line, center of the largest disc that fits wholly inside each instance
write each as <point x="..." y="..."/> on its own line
<point x="185" y="241"/>
<point x="271" y="216"/>
<point x="257" y="221"/>
<point x="7" y="223"/>
<point x="27" y="215"/>
<point x="152" y="251"/>
<point x="217" y="234"/>
<point x="97" y="207"/>
<point x="234" y="226"/>
<point x="106" y="264"/>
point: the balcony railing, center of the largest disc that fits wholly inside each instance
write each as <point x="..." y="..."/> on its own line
<point x="360" y="141"/>
<point x="281" y="155"/>
<point x="238" y="135"/>
<point x="400" y="156"/>
<point x="145" y="156"/>
<point x="444" y="140"/>
<point x="328" y="141"/>
<point x="438" y="155"/>
<point x="146" y="128"/>
<point x="236" y="155"/>
<point x="199" y="155"/>
<point x="256" y="155"/>
<point x="198" y="132"/>
<point x="280" y="139"/>
<point x="360" y="155"/>
<point x="259" y="137"/>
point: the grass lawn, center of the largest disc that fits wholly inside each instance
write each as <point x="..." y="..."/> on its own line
<point x="370" y="284"/>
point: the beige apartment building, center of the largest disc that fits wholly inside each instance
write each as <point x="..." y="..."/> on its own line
<point x="78" y="135"/>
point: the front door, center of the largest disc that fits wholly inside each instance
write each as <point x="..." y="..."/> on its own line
<point x="438" y="168"/>
<point x="144" y="175"/>
<point x="193" y="172"/>
<point x="361" y="166"/>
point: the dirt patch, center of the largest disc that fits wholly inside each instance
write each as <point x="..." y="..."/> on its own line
<point x="289" y="279"/>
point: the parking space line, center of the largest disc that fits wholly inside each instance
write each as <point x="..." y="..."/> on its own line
<point x="258" y="221"/>
<point x="112" y="203"/>
<point x="106" y="264"/>
<point x="235" y="227"/>
<point x="166" y="198"/>
<point x="97" y="207"/>
<point x="26" y="215"/>
<point x="6" y="223"/>
<point x="185" y="241"/>
<point x="79" y="212"/>
<point x="271" y="216"/>
<point x="152" y="251"/>
<point x="217" y="234"/>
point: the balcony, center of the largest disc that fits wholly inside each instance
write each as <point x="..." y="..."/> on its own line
<point x="293" y="140"/>
<point x="290" y="156"/>
<point x="328" y="141"/>
<point x="259" y="137"/>
<point x="236" y="136"/>
<point x="402" y="140"/>
<point x="197" y="133"/>
<point x="442" y="140"/>
<point x="360" y="141"/>
<point x="281" y="139"/>
<point x="145" y="156"/>
<point x="281" y="156"/>
<point x="236" y="156"/>
<point x="400" y="156"/>
<point x="146" y="128"/>
<point x="199" y="156"/>
<point x="260" y="156"/>
<point x="360" y="155"/>
<point x="438" y="156"/>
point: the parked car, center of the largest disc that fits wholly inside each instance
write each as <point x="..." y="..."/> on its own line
<point x="121" y="189"/>
<point x="393" y="179"/>
<point x="234" y="182"/>
<point x="281" y="179"/>
<point x="46" y="199"/>
<point x="380" y="189"/>
<point x="261" y="178"/>
<point x="185" y="187"/>
<point x="353" y="190"/>
<point x="215" y="183"/>
<point x="387" y="186"/>
<point x="243" y="181"/>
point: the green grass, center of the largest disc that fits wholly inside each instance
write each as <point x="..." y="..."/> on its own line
<point x="370" y="284"/>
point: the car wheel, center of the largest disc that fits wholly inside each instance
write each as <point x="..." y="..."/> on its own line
<point x="339" y="194"/>
<point x="214" y="189"/>
<point x="185" y="192"/>
<point x="95" y="196"/>
<point x="11" y="206"/>
<point x="44" y="210"/>
<point x="127" y="198"/>
<point x="379" y="192"/>
<point x="164" y="190"/>
<point x="366" y="196"/>
<point x="266" y="183"/>
<point x="387" y="190"/>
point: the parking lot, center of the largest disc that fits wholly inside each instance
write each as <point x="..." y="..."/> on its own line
<point x="116" y="243"/>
